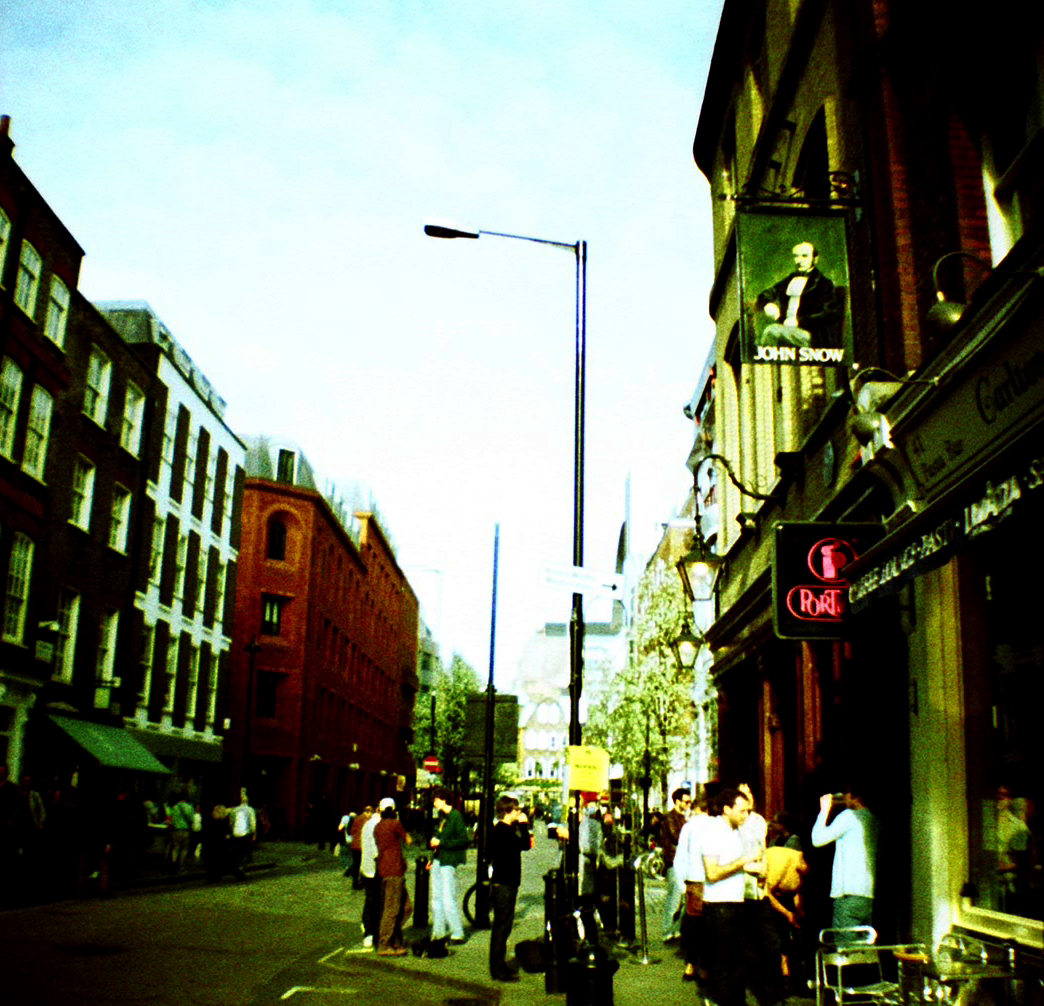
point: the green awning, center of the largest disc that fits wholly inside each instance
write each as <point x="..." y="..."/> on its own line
<point x="169" y="745"/>
<point x="111" y="746"/>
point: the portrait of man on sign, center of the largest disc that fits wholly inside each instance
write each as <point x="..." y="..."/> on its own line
<point x="794" y="286"/>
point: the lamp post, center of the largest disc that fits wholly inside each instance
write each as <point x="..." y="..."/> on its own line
<point x="576" y="622"/>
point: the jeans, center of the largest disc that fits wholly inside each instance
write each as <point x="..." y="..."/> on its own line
<point x="671" y="903"/>
<point x="852" y="910"/>
<point x="445" y="908"/>
<point x="502" y="898"/>
<point x="727" y="952"/>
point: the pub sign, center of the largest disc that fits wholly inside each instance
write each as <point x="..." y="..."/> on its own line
<point x="794" y="288"/>
<point x="809" y="583"/>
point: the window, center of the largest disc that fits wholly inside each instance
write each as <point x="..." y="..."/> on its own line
<point x="5" y="240"/>
<point x="170" y="433"/>
<point x="34" y="457"/>
<point x="96" y="397"/>
<point x="208" y="489"/>
<point x="286" y="465"/>
<point x="19" y="572"/>
<point x="276" y="538"/>
<point x="159" y="529"/>
<point x="57" y="312"/>
<point x="267" y="694"/>
<point x="106" y="660"/>
<point x="212" y="688"/>
<point x="271" y="614"/>
<point x="65" y="644"/>
<point x="219" y="595"/>
<point x="10" y="396"/>
<point x="172" y="673"/>
<point x="182" y="561"/>
<point x="28" y="279"/>
<point x="120" y="518"/>
<point x="133" y="416"/>
<point x="201" y="580"/>
<point x="190" y="460"/>
<point x="148" y="643"/>
<point x="193" y="684"/>
<point x="82" y="492"/>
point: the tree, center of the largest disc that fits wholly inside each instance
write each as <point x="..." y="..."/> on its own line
<point x="651" y="696"/>
<point x="452" y="688"/>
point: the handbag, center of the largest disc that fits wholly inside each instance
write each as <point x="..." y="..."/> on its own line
<point x="693" y="897"/>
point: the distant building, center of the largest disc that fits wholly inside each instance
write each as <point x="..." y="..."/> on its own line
<point x="325" y="650"/>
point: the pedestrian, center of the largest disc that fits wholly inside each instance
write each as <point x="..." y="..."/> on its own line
<point x="244" y="830"/>
<point x="391" y="838"/>
<point x="371" y="881"/>
<point x="589" y="838"/>
<point x="181" y="814"/>
<point x="450" y="842"/>
<point x="217" y="842"/>
<point x="670" y="828"/>
<point x="725" y="863"/>
<point x="508" y="840"/>
<point x="355" y="846"/>
<point x="854" y="832"/>
<point x="688" y="864"/>
<point x="785" y="869"/>
<point x="766" y="972"/>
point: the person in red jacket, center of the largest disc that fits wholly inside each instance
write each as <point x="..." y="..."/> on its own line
<point x="391" y="838"/>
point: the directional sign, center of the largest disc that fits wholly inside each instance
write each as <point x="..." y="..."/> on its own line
<point x="579" y="580"/>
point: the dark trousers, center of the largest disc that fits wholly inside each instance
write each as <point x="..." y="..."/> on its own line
<point x="726" y="943"/>
<point x="502" y="900"/>
<point x="373" y="906"/>
<point x="766" y="969"/>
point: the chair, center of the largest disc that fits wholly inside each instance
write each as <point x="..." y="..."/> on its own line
<point x="842" y="950"/>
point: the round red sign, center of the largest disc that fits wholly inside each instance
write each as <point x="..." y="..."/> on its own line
<point x="431" y="764"/>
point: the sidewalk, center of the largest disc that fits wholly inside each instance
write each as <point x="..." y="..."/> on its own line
<point x="467" y="967"/>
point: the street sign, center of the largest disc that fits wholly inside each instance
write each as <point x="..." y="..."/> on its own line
<point x="431" y="764"/>
<point x="580" y="580"/>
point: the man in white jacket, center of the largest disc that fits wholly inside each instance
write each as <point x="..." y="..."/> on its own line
<point x="854" y="832"/>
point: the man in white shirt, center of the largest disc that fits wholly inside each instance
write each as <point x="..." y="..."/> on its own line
<point x="371" y="883"/>
<point x="726" y="863"/>
<point x="244" y="828"/>
<point x="688" y="864"/>
<point x="766" y="981"/>
<point x="854" y="832"/>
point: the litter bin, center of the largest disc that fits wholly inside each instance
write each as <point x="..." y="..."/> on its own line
<point x="420" y="892"/>
<point x="589" y="981"/>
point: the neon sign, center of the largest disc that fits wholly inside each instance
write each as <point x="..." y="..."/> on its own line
<point x="810" y="587"/>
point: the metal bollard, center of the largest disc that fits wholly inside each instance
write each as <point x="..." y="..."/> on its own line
<point x="421" y="889"/>
<point x="590" y="977"/>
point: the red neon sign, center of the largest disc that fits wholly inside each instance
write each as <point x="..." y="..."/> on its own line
<point x="827" y="600"/>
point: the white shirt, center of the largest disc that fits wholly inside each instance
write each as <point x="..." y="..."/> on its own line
<point x="688" y="860"/>
<point x="368" y="864"/>
<point x="754" y="832"/>
<point x="855" y="852"/>
<point x="244" y="821"/>
<point x="724" y="843"/>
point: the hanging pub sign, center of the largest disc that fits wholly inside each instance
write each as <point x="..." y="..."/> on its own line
<point x="794" y="288"/>
<point x="809" y="583"/>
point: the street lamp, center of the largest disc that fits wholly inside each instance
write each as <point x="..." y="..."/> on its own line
<point x="686" y="648"/>
<point x="446" y="229"/>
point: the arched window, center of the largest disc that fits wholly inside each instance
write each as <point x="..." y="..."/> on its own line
<point x="276" y="538"/>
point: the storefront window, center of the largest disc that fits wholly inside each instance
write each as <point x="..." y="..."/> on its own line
<point x="1004" y="670"/>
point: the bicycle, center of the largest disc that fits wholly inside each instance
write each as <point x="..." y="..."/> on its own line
<point x="470" y="899"/>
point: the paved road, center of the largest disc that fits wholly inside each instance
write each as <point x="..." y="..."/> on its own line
<point x="288" y="934"/>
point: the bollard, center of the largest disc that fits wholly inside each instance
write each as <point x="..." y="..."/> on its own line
<point x="420" y="892"/>
<point x="626" y="904"/>
<point x="590" y="977"/>
<point x="558" y="933"/>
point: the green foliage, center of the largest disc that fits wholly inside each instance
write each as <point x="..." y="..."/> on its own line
<point x="452" y="688"/>
<point x="648" y="706"/>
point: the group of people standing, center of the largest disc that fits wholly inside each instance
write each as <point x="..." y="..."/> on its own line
<point x="734" y="886"/>
<point x="379" y="870"/>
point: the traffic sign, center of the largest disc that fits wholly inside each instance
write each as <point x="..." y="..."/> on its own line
<point x="580" y="580"/>
<point x="431" y="764"/>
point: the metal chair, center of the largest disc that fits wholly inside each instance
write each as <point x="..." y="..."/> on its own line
<point x="842" y="950"/>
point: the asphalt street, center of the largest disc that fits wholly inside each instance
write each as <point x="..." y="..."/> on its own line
<point x="289" y="933"/>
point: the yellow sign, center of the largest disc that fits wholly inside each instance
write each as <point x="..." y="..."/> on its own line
<point x="588" y="768"/>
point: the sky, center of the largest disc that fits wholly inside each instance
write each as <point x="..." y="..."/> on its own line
<point x="260" y="173"/>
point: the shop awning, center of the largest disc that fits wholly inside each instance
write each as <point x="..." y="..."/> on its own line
<point x="173" y="745"/>
<point x="111" y="746"/>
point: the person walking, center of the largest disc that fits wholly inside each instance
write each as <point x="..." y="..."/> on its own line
<point x="688" y="864"/>
<point x="355" y="846"/>
<point x="670" y="828"/>
<point x="450" y="842"/>
<point x="244" y="828"/>
<point x="181" y="815"/>
<point x="370" y="880"/>
<point x="508" y="840"/>
<point x="854" y="831"/>
<point x="391" y="838"/>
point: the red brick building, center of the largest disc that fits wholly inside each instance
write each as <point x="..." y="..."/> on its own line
<point x="324" y="650"/>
